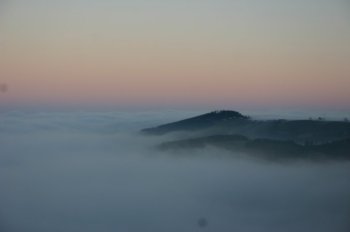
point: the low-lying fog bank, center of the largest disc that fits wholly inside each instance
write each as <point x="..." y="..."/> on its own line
<point x="93" y="172"/>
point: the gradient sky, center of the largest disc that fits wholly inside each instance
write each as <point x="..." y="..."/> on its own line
<point x="219" y="53"/>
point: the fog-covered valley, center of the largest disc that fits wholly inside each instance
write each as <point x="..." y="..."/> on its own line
<point x="88" y="171"/>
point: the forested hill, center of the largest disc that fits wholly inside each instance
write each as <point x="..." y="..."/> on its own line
<point x="232" y="122"/>
<point x="200" y="122"/>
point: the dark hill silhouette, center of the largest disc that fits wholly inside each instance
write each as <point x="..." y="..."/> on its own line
<point x="232" y="122"/>
<point x="196" y="123"/>
<point x="268" y="139"/>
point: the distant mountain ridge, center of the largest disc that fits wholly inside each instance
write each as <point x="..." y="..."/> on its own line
<point x="277" y="139"/>
<point x="196" y="123"/>
<point x="233" y="122"/>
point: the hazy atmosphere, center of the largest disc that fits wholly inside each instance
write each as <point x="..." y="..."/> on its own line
<point x="95" y="172"/>
<point x="174" y="116"/>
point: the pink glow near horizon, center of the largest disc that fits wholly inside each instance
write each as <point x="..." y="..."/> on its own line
<point x="179" y="53"/>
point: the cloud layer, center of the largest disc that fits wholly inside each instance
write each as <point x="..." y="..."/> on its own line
<point x="93" y="172"/>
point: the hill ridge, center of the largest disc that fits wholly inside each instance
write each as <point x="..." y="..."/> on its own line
<point x="197" y="122"/>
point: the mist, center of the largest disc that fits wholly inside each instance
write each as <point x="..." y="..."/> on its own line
<point x="89" y="171"/>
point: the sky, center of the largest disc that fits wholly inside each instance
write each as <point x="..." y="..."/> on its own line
<point x="184" y="53"/>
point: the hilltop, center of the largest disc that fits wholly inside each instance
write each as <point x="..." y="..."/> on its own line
<point x="273" y="139"/>
<point x="200" y="122"/>
<point x="232" y="122"/>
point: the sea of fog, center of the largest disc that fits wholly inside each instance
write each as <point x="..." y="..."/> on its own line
<point x="93" y="172"/>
